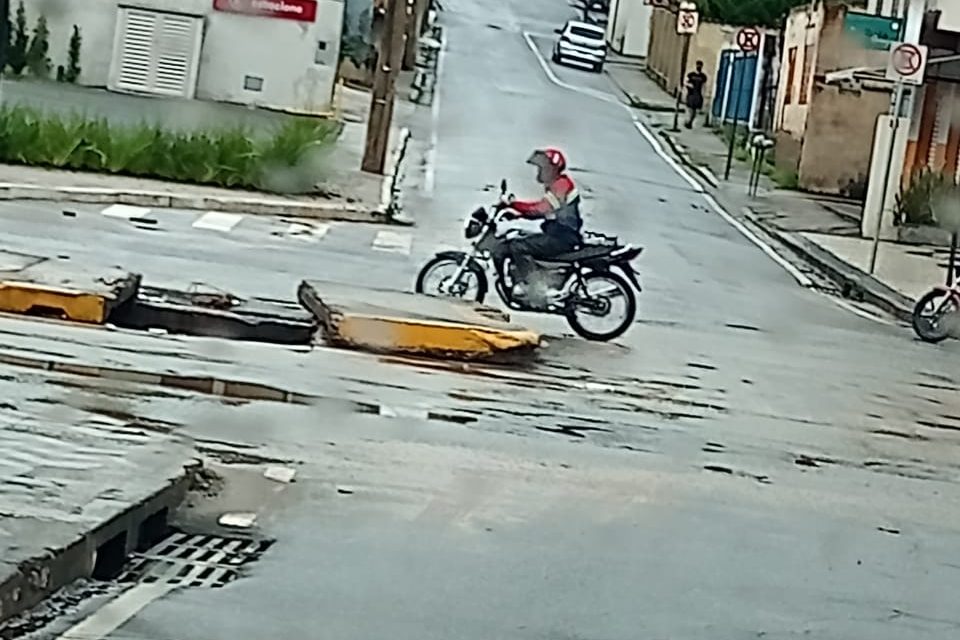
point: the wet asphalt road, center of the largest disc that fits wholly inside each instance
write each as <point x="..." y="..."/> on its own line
<point x="750" y="461"/>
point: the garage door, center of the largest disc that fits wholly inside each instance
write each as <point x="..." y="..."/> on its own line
<point x="156" y="53"/>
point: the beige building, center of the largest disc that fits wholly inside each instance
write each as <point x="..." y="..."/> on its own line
<point x="666" y="48"/>
<point x="824" y="127"/>
<point x="280" y="54"/>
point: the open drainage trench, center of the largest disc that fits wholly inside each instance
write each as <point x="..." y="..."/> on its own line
<point x="148" y="551"/>
<point x="216" y="314"/>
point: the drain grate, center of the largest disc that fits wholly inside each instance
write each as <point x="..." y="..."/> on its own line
<point x="190" y="560"/>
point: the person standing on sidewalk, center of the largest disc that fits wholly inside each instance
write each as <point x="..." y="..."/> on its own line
<point x="695" y="82"/>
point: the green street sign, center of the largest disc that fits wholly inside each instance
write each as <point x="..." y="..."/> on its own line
<point x="874" y="32"/>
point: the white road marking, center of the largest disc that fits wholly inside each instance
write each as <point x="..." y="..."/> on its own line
<point x="284" y="475"/>
<point x="311" y="232"/>
<point x="430" y="169"/>
<point x="393" y="242"/>
<point x="404" y="412"/>
<point x="852" y="308"/>
<point x="115" y="613"/>
<point x="218" y="221"/>
<point x="238" y="519"/>
<point x="801" y="279"/>
<point x="125" y="211"/>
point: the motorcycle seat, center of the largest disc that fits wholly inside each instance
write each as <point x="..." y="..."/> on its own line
<point x="586" y="252"/>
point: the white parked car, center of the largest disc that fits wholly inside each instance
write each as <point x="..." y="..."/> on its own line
<point x="582" y="44"/>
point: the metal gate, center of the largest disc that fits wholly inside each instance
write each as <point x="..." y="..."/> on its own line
<point x="734" y="87"/>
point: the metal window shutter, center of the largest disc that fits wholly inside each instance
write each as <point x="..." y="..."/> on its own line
<point x="136" y="52"/>
<point x="174" y="54"/>
<point x="157" y="52"/>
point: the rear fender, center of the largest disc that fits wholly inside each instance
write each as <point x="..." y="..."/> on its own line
<point x="624" y="267"/>
<point x="630" y="273"/>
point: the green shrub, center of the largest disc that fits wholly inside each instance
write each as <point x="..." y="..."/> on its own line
<point x="17" y="54"/>
<point x="914" y="204"/>
<point x="784" y="178"/>
<point x="72" y="72"/>
<point x="37" y="59"/>
<point x="227" y="157"/>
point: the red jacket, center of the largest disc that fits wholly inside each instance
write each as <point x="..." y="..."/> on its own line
<point x="560" y="193"/>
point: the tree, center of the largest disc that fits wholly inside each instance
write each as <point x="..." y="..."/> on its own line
<point x="37" y="59"/>
<point x="72" y="73"/>
<point x="17" y="55"/>
<point x="754" y="13"/>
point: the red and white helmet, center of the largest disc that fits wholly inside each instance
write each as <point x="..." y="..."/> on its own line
<point x="549" y="157"/>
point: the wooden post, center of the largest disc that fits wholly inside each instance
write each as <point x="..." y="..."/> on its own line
<point x="414" y="28"/>
<point x="389" y="59"/>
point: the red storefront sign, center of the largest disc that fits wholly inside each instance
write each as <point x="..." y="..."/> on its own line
<point x="302" y="10"/>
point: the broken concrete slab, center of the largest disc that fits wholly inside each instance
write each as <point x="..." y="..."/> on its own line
<point x="79" y="489"/>
<point x="50" y="287"/>
<point x="404" y="323"/>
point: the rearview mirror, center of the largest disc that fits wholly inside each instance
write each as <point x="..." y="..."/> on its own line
<point x="503" y="186"/>
<point x="558" y="30"/>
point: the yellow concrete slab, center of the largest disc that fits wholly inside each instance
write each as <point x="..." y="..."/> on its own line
<point x="405" y="323"/>
<point x="49" y="287"/>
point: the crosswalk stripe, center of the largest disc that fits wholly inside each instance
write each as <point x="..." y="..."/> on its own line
<point x="307" y="231"/>
<point x="124" y="211"/>
<point x="393" y="242"/>
<point x="218" y="221"/>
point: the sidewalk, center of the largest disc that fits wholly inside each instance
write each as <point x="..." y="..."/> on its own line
<point x="83" y="471"/>
<point x="822" y="230"/>
<point x="344" y="192"/>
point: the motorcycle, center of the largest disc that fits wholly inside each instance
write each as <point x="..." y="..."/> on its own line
<point x="935" y="316"/>
<point x="586" y="283"/>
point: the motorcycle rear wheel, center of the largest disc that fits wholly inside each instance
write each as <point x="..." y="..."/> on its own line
<point x="620" y="284"/>
<point x="936" y="329"/>
<point x="437" y="264"/>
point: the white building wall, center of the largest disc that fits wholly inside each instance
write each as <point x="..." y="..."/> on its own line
<point x="297" y="74"/>
<point x="889" y="8"/>
<point x="628" y="31"/>
<point x="949" y="15"/>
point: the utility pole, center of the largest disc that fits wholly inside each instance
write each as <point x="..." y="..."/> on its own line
<point x="389" y="60"/>
<point x="414" y="29"/>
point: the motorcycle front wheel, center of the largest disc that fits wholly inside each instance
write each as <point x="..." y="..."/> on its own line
<point x="601" y="296"/>
<point x="436" y="278"/>
<point x="934" y="317"/>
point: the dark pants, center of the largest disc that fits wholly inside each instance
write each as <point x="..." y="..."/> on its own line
<point x="539" y="246"/>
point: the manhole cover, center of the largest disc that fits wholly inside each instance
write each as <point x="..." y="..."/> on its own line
<point x="194" y="560"/>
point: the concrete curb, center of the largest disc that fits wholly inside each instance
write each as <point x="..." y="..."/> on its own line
<point x="685" y="158"/>
<point x="266" y="205"/>
<point x="635" y="102"/>
<point x="36" y="578"/>
<point x="854" y="283"/>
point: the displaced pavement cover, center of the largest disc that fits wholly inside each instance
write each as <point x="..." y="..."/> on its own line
<point x="397" y="322"/>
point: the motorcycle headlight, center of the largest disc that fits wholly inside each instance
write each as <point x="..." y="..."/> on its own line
<point x="473" y="229"/>
<point x="475" y="223"/>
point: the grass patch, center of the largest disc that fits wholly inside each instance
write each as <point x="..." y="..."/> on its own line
<point x="783" y="178"/>
<point x="289" y="161"/>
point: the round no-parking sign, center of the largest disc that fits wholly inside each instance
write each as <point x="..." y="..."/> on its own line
<point x="748" y="39"/>
<point x="907" y="63"/>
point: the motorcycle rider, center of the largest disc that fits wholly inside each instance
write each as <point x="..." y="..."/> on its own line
<point x="559" y="209"/>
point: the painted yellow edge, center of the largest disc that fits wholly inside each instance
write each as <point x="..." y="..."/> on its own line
<point x="424" y="336"/>
<point x="78" y="306"/>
